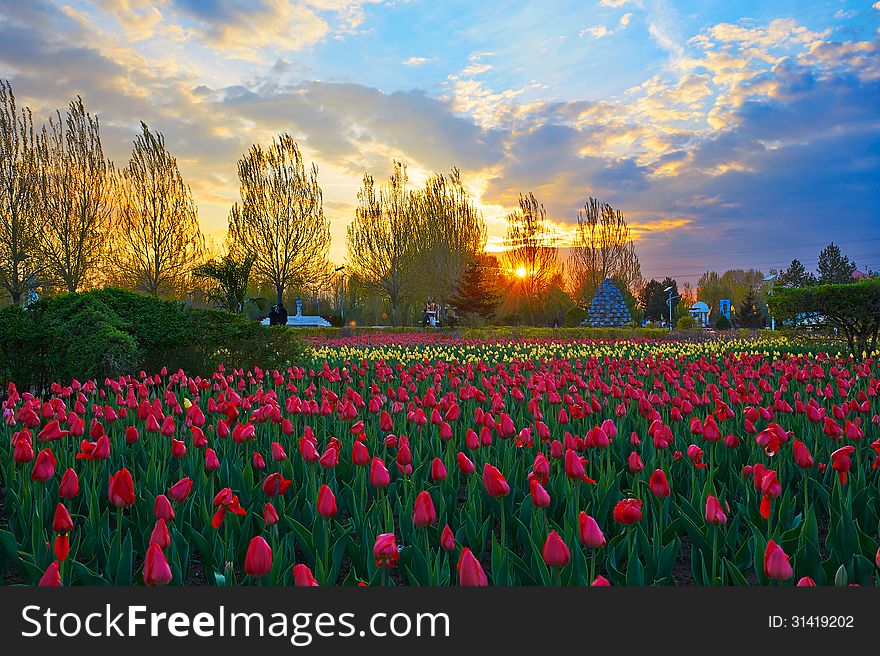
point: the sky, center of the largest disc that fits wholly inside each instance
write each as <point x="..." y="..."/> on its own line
<point x="731" y="134"/>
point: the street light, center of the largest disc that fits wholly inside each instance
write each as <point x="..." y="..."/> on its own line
<point x="669" y="303"/>
<point x="770" y="279"/>
<point x="342" y="298"/>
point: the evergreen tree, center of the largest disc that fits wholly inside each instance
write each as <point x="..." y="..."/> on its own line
<point x="477" y="291"/>
<point x="795" y="275"/>
<point x="653" y="300"/>
<point x="749" y="314"/>
<point x="835" y="268"/>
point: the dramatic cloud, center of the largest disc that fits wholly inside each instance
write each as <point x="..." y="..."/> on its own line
<point x="726" y="143"/>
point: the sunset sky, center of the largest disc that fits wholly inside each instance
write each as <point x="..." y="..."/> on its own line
<point x="731" y="134"/>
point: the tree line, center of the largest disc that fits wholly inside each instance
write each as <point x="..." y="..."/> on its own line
<point x="71" y="220"/>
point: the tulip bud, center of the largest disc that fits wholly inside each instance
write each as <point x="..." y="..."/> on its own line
<point x="156" y="569"/>
<point x="258" y="560"/>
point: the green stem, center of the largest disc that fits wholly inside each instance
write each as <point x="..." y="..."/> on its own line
<point x="714" y="552"/>
<point x="501" y="505"/>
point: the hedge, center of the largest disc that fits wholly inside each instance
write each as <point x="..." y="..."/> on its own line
<point x="112" y="332"/>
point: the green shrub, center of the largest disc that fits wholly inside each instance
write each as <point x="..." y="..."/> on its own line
<point x="722" y="323"/>
<point x="685" y="323"/>
<point x="112" y="332"/>
<point x="575" y="317"/>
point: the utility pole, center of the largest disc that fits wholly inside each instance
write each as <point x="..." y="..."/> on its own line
<point x="341" y="271"/>
<point x="770" y="279"/>
<point x="669" y="303"/>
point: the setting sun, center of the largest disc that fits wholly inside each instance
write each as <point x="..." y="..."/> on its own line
<point x="521" y="272"/>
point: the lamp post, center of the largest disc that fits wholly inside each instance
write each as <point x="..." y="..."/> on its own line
<point x="669" y="303"/>
<point x="341" y="270"/>
<point x="770" y="279"/>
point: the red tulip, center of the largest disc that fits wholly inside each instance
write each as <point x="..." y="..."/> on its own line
<point x="840" y="461"/>
<point x="541" y="468"/>
<point x="556" y="553"/>
<point x="424" y="513"/>
<point x="695" y="454"/>
<point x="212" y="462"/>
<point x="22" y="452"/>
<point x="225" y="501"/>
<point x="776" y="564"/>
<point x="51" y="577"/>
<point x="178" y="448"/>
<point x="326" y="502"/>
<point x="385" y="550"/>
<point x="278" y="454"/>
<point x="379" y="476"/>
<point x="303" y="577"/>
<point x="770" y="489"/>
<point x="853" y="431"/>
<point x="330" y="458"/>
<point x="156" y="569"/>
<point x="540" y="497"/>
<point x="360" y="456"/>
<point x="131" y="435"/>
<point x="160" y="535"/>
<point x="258" y="561"/>
<point x="495" y="483"/>
<point x="69" y="486"/>
<point x="180" y="490"/>
<point x="121" y="489"/>
<point x="591" y="535"/>
<point x="162" y="508"/>
<point x="51" y="432"/>
<point x="307" y="450"/>
<point x="62" y="546"/>
<point x="628" y="511"/>
<point x="270" y="515"/>
<point x="600" y="582"/>
<point x="438" y="470"/>
<point x="806" y="581"/>
<point x="465" y="466"/>
<point x="44" y="467"/>
<point x="470" y="572"/>
<point x="275" y="485"/>
<point x="61" y="523"/>
<point x="634" y="463"/>
<point x="447" y="540"/>
<point x="714" y="514"/>
<point x="658" y="484"/>
<point x="802" y="457"/>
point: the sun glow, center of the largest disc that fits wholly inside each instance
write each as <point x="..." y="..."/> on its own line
<point x="521" y="272"/>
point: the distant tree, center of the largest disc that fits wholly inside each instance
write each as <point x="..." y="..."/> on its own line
<point x="749" y="314"/>
<point x="795" y="275"/>
<point x="653" y="301"/>
<point x="451" y="234"/>
<point x="835" y="268"/>
<point x="228" y="281"/>
<point x="20" y="219"/>
<point x="532" y="254"/>
<point x="602" y="249"/>
<point x="477" y="291"/>
<point x="383" y="240"/>
<point x="280" y="220"/>
<point x="853" y="309"/>
<point x="76" y="195"/>
<point x="732" y="285"/>
<point x="156" y="240"/>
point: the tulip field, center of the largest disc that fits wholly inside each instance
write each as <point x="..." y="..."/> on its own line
<point x="415" y="459"/>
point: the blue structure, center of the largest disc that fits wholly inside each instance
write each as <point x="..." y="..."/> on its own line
<point x="607" y="309"/>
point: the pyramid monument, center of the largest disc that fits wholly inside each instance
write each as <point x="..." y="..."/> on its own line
<point x="607" y="309"/>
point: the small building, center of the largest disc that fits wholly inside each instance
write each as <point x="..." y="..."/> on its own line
<point x="700" y="313"/>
